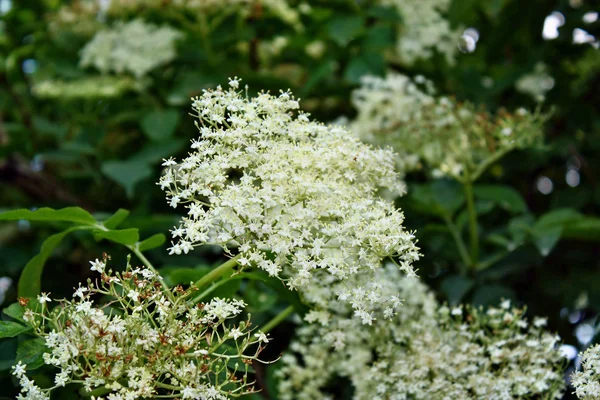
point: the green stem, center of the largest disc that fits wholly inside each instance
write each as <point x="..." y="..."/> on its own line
<point x="277" y="319"/>
<point x="460" y="244"/>
<point x="135" y="250"/>
<point x="474" y="236"/>
<point x="216" y="273"/>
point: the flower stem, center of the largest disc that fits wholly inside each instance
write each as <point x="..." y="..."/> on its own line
<point x="216" y="273"/>
<point x="460" y="244"/>
<point x="277" y="319"/>
<point x="474" y="235"/>
<point x="135" y="250"/>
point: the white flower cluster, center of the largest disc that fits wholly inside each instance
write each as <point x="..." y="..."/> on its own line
<point x="135" y="47"/>
<point x="587" y="381"/>
<point x="455" y="139"/>
<point x="290" y="196"/>
<point x="424" y="30"/>
<point x="147" y="341"/>
<point x="426" y="351"/>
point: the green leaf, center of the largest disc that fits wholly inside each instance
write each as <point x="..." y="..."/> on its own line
<point x="456" y="287"/>
<point x="160" y="124"/>
<point x="127" y="173"/>
<point x="69" y="214"/>
<point x="12" y="329"/>
<point x="585" y="229"/>
<point x="175" y="276"/>
<point x="505" y="196"/>
<point x="128" y="236"/>
<point x="491" y="295"/>
<point x="559" y="217"/>
<point x="154" y="152"/>
<point x="116" y="219"/>
<point x="30" y="281"/>
<point x="152" y="242"/>
<point x="441" y="198"/>
<point x="15" y="311"/>
<point x="343" y="28"/>
<point x="31" y="352"/>
<point x="545" y="238"/>
<point x="364" y="64"/>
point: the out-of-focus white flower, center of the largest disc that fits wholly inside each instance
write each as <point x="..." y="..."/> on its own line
<point x="135" y="47"/>
<point x="456" y="139"/>
<point x="424" y="30"/>
<point x="537" y="83"/>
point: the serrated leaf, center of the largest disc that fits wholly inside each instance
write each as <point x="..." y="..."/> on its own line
<point x="15" y="311"/>
<point x="69" y="214"/>
<point x="30" y="280"/>
<point x="116" y="219"/>
<point x="127" y="173"/>
<point x="152" y="242"/>
<point x="12" y="329"/>
<point x="160" y="124"/>
<point x="505" y="196"/>
<point x="128" y="236"/>
<point x="31" y="352"/>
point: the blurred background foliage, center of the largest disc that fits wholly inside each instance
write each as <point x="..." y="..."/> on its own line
<point x="78" y="133"/>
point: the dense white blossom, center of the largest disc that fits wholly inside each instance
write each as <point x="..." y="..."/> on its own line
<point x="285" y="194"/>
<point x="146" y="341"/>
<point x="453" y="138"/>
<point x="426" y="351"/>
<point x="424" y="30"/>
<point x="587" y="380"/>
<point x="135" y="47"/>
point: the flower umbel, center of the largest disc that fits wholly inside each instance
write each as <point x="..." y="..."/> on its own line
<point x="289" y="195"/>
<point x="146" y="341"/>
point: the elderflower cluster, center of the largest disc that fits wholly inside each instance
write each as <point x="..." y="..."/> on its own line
<point x="587" y="381"/>
<point x="453" y="138"/>
<point x="146" y="341"/>
<point x="424" y="30"/>
<point x="135" y="47"/>
<point x="285" y="194"/>
<point x="426" y="351"/>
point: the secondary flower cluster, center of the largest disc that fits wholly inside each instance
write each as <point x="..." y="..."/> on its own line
<point x="146" y="341"/>
<point x="289" y="195"/>
<point x="587" y="380"/>
<point x="453" y="138"/>
<point x="135" y="47"/>
<point x="426" y="351"/>
<point x="424" y="30"/>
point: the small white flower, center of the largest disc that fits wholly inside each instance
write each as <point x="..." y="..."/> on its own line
<point x="133" y="295"/>
<point x="261" y="337"/>
<point x="43" y="298"/>
<point x="98" y="266"/>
